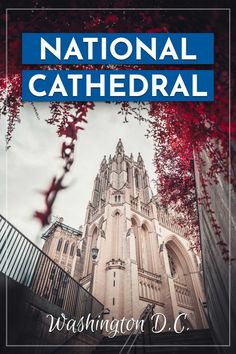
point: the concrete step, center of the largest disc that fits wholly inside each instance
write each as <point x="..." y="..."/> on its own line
<point x="164" y="342"/>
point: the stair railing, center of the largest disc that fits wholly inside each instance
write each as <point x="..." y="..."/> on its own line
<point x="105" y="311"/>
<point x="136" y="332"/>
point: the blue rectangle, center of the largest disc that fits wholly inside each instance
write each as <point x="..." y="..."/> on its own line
<point x="36" y="88"/>
<point x="199" y="44"/>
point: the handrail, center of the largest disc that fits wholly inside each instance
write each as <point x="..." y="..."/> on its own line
<point x="104" y="311"/>
<point x="24" y="262"/>
<point x="144" y="316"/>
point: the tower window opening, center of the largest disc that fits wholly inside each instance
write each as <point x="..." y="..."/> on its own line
<point x="145" y="184"/>
<point x="66" y="247"/>
<point x="106" y="178"/>
<point x="97" y="185"/>
<point x="72" y="250"/>
<point x="136" y="177"/>
<point x="114" y="283"/>
<point x="127" y="171"/>
<point x="113" y="301"/>
<point x="59" y="245"/>
<point x="172" y="265"/>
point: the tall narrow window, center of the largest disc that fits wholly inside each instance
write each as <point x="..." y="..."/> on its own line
<point x="127" y="171"/>
<point x="172" y="262"/>
<point x="136" y="177"/>
<point x="137" y="243"/>
<point x="146" y="248"/>
<point x="97" y="184"/>
<point x="72" y="250"/>
<point x="59" y="245"/>
<point x="145" y="180"/>
<point x="106" y="178"/>
<point x="66" y="247"/>
<point x="116" y="235"/>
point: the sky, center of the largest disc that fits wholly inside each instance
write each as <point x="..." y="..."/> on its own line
<point x="28" y="166"/>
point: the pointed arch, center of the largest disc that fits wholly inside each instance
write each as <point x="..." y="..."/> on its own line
<point x="59" y="244"/>
<point x="135" y="219"/>
<point x="117" y="211"/>
<point x="146" y="248"/>
<point x="66" y="247"/>
<point x="72" y="250"/>
<point x="175" y="244"/>
<point x="145" y="180"/>
<point x="116" y="225"/>
<point x="135" y="227"/>
<point x="106" y="178"/>
<point x="136" y="178"/>
<point x="97" y="184"/>
<point x="93" y="227"/>
<point x="147" y="225"/>
<point x="127" y="172"/>
<point x="185" y="286"/>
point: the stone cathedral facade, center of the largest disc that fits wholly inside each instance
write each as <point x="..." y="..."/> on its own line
<point x="143" y="257"/>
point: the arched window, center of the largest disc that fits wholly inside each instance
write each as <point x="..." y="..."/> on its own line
<point x="116" y="235"/>
<point x="59" y="245"/>
<point x="66" y="247"/>
<point x="72" y="250"/>
<point x="97" y="184"/>
<point x="172" y="265"/>
<point x="177" y="263"/>
<point x="106" y="178"/>
<point x="136" y="177"/>
<point x="146" y="249"/>
<point x="145" y="180"/>
<point x="137" y="243"/>
<point x="127" y="171"/>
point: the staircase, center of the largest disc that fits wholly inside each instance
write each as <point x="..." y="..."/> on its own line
<point x="164" y="342"/>
<point x="138" y="342"/>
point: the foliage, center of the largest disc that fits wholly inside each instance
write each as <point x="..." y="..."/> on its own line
<point x="178" y="129"/>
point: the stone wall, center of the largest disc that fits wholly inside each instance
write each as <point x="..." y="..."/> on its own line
<point x="219" y="275"/>
<point x="28" y="325"/>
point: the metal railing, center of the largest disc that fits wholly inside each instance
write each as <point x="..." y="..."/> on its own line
<point x="22" y="261"/>
<point x="129" y="344"/>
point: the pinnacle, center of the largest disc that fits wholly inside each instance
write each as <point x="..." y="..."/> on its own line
<point x="140" y="157"/>
<point x="119" y="147"/>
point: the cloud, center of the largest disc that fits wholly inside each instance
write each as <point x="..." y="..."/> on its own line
<point x="34" y="158"/>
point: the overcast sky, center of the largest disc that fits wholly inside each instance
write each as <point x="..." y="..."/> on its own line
<point x="33" y="160"/>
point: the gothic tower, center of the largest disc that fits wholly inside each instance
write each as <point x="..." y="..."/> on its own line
<point x="142" y="255"/>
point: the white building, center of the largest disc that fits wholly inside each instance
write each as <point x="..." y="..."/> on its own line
<point x="143" y="256"/>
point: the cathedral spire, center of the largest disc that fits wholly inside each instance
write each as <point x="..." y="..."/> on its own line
<point x="103" y="163"/>
<point x="120" y="148"/>
<point x="140" y="160"/>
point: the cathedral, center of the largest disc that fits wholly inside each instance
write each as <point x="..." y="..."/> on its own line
<point x="130" y="252"/>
